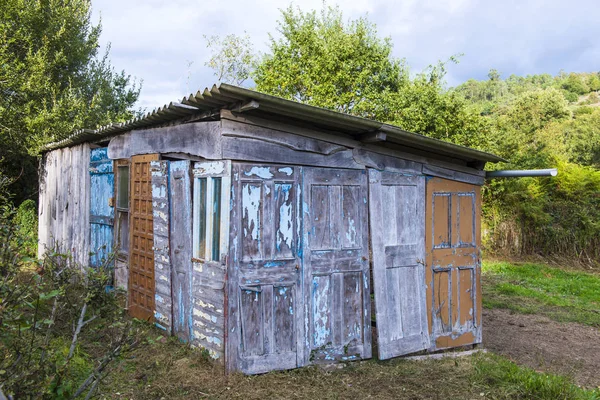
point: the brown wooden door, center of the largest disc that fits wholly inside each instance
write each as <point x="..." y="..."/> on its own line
<point x="453" y="262"/>
<point x="397" y="217"/>
<point x="141" y="258"/>
<point x="336" y="260"/>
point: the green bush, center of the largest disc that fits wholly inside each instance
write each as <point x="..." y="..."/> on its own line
<point x="546" y="216"/>
<point x="51" y="311"/>
<point x="570" y="96"/>
<point x="26" y="220"/>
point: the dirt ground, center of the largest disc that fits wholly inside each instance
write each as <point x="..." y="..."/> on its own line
<point x="542" y="344"/>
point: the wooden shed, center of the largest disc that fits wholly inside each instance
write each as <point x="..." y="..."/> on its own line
<point x="263" y="230"/>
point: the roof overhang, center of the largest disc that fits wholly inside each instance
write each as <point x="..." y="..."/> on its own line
<point x="207" y="103"/>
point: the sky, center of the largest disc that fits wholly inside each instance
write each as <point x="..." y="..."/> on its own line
<point x="161" y="42"/>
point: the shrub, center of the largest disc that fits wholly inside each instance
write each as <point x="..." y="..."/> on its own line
<point x="50" y="310"/>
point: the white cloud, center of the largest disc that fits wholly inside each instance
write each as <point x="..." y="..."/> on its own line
<point x="156" y="40"/>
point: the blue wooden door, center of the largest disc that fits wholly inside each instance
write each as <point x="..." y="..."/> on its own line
<point x="102" y="213"/>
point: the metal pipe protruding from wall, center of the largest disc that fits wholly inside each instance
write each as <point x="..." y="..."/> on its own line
<point x="521" y="173"/>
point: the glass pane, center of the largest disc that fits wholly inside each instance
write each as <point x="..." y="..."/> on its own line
<point x="202" y="218"/>
<point x="123" y="231"/>
<point x="216" y="251"/>
<point x="123" y="187"/>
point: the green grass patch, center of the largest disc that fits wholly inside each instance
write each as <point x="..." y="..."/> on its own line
<point x="563" y="295"/>
<point x="499" y="378"/>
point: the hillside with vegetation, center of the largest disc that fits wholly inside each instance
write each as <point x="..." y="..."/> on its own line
<point x="542" y="121"/>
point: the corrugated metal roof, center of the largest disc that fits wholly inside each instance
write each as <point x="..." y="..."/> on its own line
<point x="229" y="96"/>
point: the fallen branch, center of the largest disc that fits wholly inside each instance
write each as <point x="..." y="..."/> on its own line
<point x="94" y="376"/>
<point x="80" y="324"/>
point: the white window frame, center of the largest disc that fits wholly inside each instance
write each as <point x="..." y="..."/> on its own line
<point x="211" y="170"/>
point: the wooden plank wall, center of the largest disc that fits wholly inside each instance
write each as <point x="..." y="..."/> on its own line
<point x="64" y="202"/>
<point x="162" y="262"/>
<point x="208" y="305"/>
<point x="256" y="139"/>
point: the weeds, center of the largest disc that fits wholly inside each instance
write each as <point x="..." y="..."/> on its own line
<point x="60" y="326"/>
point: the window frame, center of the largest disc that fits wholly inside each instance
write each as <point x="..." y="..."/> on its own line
<point x="204" y="201"/>
<point x="122" y="212"/>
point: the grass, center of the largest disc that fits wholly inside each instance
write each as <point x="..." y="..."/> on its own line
<point x="163" y="368"/>
<point x="560" y="294"/>
<point x="504" y="379"/>
<point x="171" y="370"/>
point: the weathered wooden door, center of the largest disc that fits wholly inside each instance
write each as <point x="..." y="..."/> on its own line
<point x="453" y="263"/>
<point x="397" y="217"/>
<point x="265" y="296"/>
<point x="180" y="201"/>
<point x="336" y="255"/>
<point x="102" y="213"/>
<point x="161" y="222"/>
<point x="181" y="246"/>
<point x="141" y="258"/>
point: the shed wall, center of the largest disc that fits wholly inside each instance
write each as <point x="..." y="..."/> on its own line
<point x="64" y="202"/>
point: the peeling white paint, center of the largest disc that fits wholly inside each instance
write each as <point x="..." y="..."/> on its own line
<point x="286" y="170"/>
<point x="321" y="310"/>
<point x="351" y="234"/>
<point x="285" y="233"/>
<point x="261" y="172"/>
<point x="206" y="316"/>
<point x="251" y="210"/>
<point x="209" y="168"/>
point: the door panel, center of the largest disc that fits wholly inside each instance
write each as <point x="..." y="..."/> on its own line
<point x="336" y="264"/>
<point x="211" y="199"/>
<point x="163" y="291"/>
<point x="141" y="243"/>
<point x="265" y="296"/>
<point x="102" y="214"/>
<point x="397" y="217"/>
<point x="181" y="246"/>
<point x="453" y="263"/>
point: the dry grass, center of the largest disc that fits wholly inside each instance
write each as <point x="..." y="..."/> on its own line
<point x="172" y="371"/>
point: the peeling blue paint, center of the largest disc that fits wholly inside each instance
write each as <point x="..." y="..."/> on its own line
<point x="101" y="214"/>
<point x="272" y="264"/>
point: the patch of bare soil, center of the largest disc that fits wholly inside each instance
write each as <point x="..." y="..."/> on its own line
<point x="545" y="345"/>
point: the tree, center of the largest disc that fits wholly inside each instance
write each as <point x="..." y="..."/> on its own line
<point x="322" y="61"/>
<point x="233" y="58"/>
<point x="594" y="82"/>
<point x="52" y="82"/>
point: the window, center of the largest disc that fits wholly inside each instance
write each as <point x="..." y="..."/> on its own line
<point x="122" y="209"/>
<point x="211" y="190"/>
<point x="123" y="187"/>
